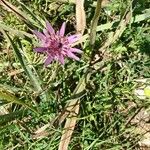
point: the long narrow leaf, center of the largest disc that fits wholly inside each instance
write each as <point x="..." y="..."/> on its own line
<point x="94" y="22"/>
<point x="7" y="118"/>
<point x="80" y="16"/>
<point x="114" y="24"/>
<point x="72" y="111"/>
<point x="14" y="31"/>
<point x="34" y="80"/>
<point x="9" y="97"/>
<point x="35" y="17"/>
<point x="28" y="20"/>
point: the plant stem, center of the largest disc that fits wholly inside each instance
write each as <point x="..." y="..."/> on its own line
<point x="95" y="22"/>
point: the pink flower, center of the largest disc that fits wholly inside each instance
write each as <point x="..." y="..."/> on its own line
<point x="56" y="45"/>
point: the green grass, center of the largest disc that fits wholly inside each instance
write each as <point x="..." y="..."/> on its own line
<point x="32" y="96"/>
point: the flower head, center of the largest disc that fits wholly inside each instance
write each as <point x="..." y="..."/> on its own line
<point x="56" y="45"/>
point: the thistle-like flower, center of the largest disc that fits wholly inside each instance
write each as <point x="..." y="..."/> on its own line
<point x="56" y="45"/>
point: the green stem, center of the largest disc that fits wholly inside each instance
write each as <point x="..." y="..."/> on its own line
<point x="95" y="22"/>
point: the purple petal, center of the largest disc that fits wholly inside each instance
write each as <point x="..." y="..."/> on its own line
<point x="39" y="35"/>
<point x="62" y="29"/>
<point x="75" y="50"/>
<point x="40" y="49"/>
<point x="48" y="60"/>
<point x="71" y="55"/>
<point x="61" y="59"/>
<point x="46" y="33"/>
<point x="73" y="38"/>
<point x="49" y="28"/>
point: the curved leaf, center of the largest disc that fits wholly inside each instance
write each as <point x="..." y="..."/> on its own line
<point x="9" y="97"/>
